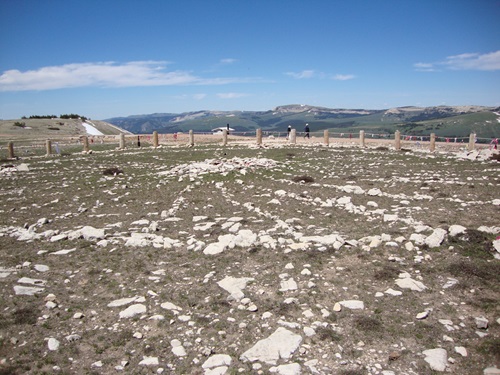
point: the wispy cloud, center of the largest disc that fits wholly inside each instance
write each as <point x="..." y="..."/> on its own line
<point x="227" y="61"/>
<point x="465" y="61"/>
<point x="104" y="74"/>
<point x="306" y="74"/>
<point x="231" y="95"/>
<point x="343" y="77"/>
<point x="301" y="75"/>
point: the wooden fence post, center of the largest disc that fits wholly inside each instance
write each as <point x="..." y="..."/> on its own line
<point x="472" y="141"/>
<point x="259" y="136"/>
<point x="397" y="140"/>
<point x="86" y="144"/>
<point x="155" y="139"/>
<point x="433" y="142"/>
<point x="191" y="138"/>
<point x="48" y="147"/>
<point x="10" y="149"/>
<point x="122" y="141"/>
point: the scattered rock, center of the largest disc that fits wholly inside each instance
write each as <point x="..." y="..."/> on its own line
<point x="436" y="358"/>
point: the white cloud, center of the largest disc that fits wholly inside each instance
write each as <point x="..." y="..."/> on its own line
<point x="103" y="74"/>
<point x="343" y="77"/>
<point x="199" y="96"/>
<point x="231" y="95"/>
<point x="465" y="61"/>
<point x="227" y="61"/>
<point x="301" y="75"/>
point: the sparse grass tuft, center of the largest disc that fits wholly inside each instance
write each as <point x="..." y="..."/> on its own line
<point x="304" y="179"/>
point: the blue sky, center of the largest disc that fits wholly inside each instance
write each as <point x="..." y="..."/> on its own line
<point x="112" y="58"/>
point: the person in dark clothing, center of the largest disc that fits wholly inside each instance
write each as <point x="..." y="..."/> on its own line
<point x="288" y="131"/>
<point x="306" y="130"/>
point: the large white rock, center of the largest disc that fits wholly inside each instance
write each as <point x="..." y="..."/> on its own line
<point x="235" y="286"/>
<point x="133" y="310"/>
<point x="27" y="290"/>
<point x="217" y="360"/>
<point x="353" y="304"/>
<point x="409" y="283"/>
<point x="329" y="240"/>
<point x="53" y="344"/>
<point x="122" y="301"/>
<point x="289" y="369"/>
<point x="455" y="230"/>
<point x="149" y="361"/>
<point x="288" y="284"/>
<point x="436" y="238"/>
<point x="281" y="344"/>
<point x="177" y="348"/>
<point x="436" y="358"/>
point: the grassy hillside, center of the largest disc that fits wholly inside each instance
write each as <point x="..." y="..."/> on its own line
<point x="33" y="129"/>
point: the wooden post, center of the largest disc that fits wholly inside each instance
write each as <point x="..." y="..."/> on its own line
<point x="362" y="138"/>
<point x="10" y="149"/>
<point x="433" y="142"/>
<point x="122" y="141"/>
<point x="293" y="136"/>
<point x="326" y="137"/>
<point x="259" y="136"/>
<point x="472" y="141"/>
<point x="86" y="144"/>
<point x="397" y="140"/>
<point x="224" y="137"/>
<point x="191" y="138"/>
<point x="155" y="139"/>
<point x="48" y="147"/>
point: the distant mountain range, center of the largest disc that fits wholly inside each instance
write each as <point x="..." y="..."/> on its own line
<point x="453" y="121"/>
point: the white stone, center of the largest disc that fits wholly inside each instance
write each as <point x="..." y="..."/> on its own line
<point x="455" y="230"/>
<point x="481" y="322"/>
<point x="281" y="344"/>
<point x="436" y="238"/>
<point x="177" y="348"/>
<point x="53" y="344"/>
<point x="27" y="290"/>
<point x="41" y="267"/>
<point x="122" y="302"/>
<point x="436" y="358"/>
<point x="393" y="292"/>
<point x="353" y="304"/>
<point x="409" y="283"/>
<point x="423" y="315"/>
<point x="288" y="369"/>
<point x="133" y="310"/>
<point x="461" y="350"/>
<point x="149" y="361"/>
<point x="217" y="360"/>
<point x="288" y="285"/>
<point x="235" y="286"/>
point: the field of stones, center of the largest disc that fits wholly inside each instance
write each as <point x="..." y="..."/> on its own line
<point x="283" y="259"/>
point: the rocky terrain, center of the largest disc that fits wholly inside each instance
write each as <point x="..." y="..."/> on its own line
<point x="245" y="260"/>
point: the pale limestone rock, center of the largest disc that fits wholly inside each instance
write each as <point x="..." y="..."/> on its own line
<point x="235" y="286"/>
<point x="406" y="282"/>
<point x="53" y="344"/>
<point x="281" y="344"/>
<point x="217" y="360"/>
<point x="436" y="238"/>
<point x="436" y="358"/>
<point x="27" y="290"/>
<point x="481" y="322"/>
<point x="353" y="304"/>
<point x="423" y="315"/>
<point x="288" y="369"/>
<point x="288" y="285"/>
<point x="177" y="348"/>
<point x="461" y="350"/>
<point x="133" y="310"/>
<point x="455" y="230"/>
<point x="149" y="361"/>
<point x="122" y="301"/>
<point x="393" y="292"/>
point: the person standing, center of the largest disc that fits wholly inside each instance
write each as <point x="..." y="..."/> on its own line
<point x="288" y="131"/>
<point x="306" y="131"/>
